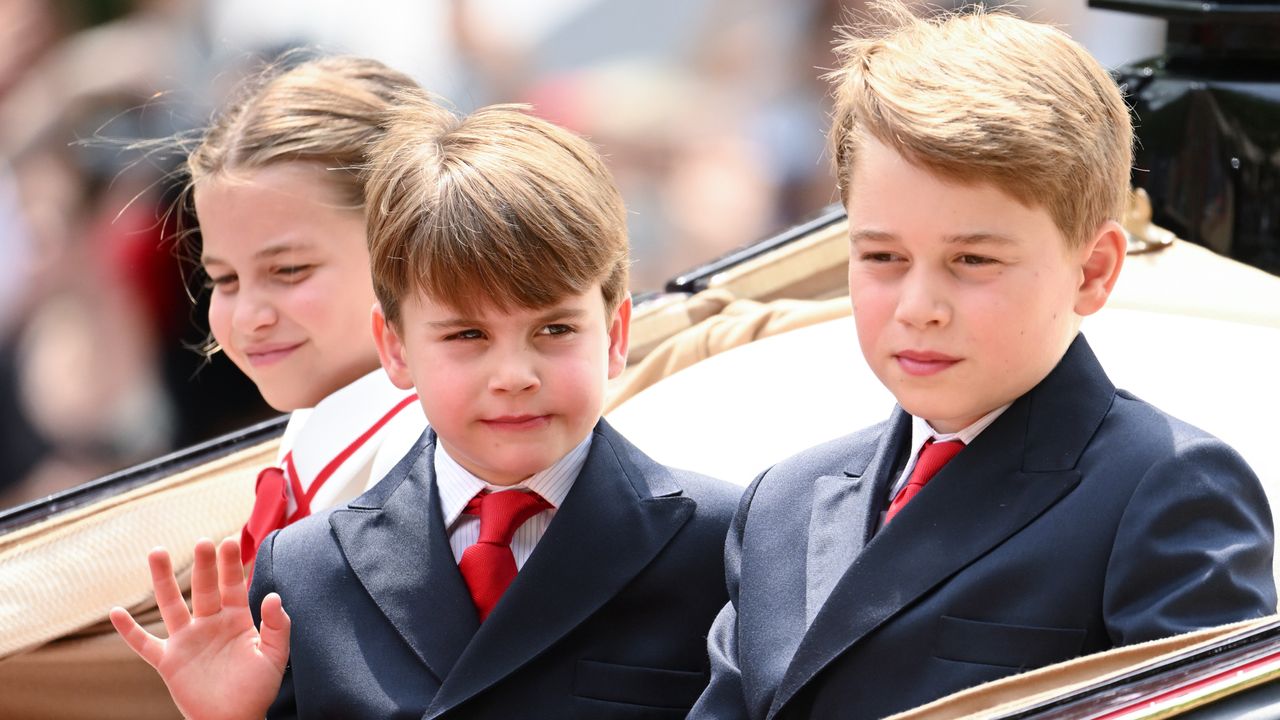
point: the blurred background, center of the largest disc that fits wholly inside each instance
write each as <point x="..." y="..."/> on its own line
<point x="711" y="114"/>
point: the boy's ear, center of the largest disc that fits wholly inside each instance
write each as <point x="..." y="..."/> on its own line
<point x="390" y="350"/>
<point x="1103" y="256"/>
<point x="619" y="337"/>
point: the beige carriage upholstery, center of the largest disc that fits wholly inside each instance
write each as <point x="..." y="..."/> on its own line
<point x="811" y="268"/>
<point x="59" y="657"/>
<point x="737" y="323"/>
<point x="1017" y="692"/>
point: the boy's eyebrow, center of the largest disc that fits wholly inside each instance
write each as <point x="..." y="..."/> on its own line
<point x="455" y="322"/>
<point x="973" y="238"/>
<point x="980" y="237"/>
<point x="560" y="313"/>
<point x="552" y="315"/>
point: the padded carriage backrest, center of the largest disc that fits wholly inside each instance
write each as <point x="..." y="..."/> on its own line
<point x="1016" y="694"/>
<point x="62" y="574"/>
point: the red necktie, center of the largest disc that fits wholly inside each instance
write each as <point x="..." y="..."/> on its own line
<point x="270" y="505"/>
<point x="932" y="457"/>
<point x="489" y="566"/>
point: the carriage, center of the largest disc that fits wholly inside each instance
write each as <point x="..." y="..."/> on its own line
<point x="733" y="367"/>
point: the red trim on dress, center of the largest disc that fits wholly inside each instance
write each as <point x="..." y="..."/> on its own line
<point x="267" y="516"/>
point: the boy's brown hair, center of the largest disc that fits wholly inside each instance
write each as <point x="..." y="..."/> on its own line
<point x="495" y="207"/>
<point x="986" y="97"/>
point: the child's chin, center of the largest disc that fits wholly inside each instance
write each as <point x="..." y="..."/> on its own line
<point x="285" y="400"/>
<point x="922" y="405"/>
<point x="939" y="416"/>
<point x="516" y="473"/>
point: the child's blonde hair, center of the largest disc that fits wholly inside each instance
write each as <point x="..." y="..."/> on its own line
<point x="327" y="110"/>
<point x="986" y="97"/>
<point x="495" y="207"/>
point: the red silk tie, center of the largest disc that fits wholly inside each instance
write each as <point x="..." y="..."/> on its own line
<point x="489" y="566"/>
<point x="932" y="457"/>
<point x="271" y="503"/>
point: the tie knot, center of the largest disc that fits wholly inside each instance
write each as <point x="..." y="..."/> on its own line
<point x="933" y="457"/>
<point x="502" y="513"/>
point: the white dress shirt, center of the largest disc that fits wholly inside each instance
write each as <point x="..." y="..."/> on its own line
<point x="921" y="431"/>
<point x="457" y="486"/>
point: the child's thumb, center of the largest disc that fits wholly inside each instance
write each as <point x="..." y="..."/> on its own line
<point x="274" y="641"/>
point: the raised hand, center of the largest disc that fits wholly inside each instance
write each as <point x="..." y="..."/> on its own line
<point x="215" y="663"/>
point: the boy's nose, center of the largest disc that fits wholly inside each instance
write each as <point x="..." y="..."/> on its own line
<point x="514" y="374"/>
<point x="920" y="304"/>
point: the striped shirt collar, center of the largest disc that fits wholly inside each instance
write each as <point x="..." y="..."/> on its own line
<point x="457" y="485"/>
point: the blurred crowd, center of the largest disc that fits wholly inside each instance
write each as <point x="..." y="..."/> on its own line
<point x="711" y="114"/>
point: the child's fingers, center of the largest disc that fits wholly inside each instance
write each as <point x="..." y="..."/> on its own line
<point x="274" y="633"/>
<point x="173" y="609"/>
<point x="206" y="599"/>
<point x="231" y="575"/>
<point x="148" y="647"/>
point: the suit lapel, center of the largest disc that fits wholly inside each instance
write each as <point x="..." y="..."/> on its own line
<point x="395" y="541"/>
<point x="844" y="513"/>
<point x="778" y="600"/>
<point x="1015" y="470"/>
<point x="549" y="598"/>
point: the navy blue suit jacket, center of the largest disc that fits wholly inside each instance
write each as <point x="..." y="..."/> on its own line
<point x="608" y="618"/>
<point x="1081" y="519"/>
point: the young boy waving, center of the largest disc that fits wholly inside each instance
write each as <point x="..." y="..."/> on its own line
<point x="1016" y="509"/>
<point x="523" y="560"/>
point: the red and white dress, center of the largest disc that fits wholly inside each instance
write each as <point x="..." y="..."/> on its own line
<point x="333" y="452"/>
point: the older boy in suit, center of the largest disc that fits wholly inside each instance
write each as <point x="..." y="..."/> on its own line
<point x="1016" y="509"/>
<point x="523" y="560"/>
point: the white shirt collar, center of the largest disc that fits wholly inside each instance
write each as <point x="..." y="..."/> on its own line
<point x="458" y="485"/>
<point x="921" y="431"/>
